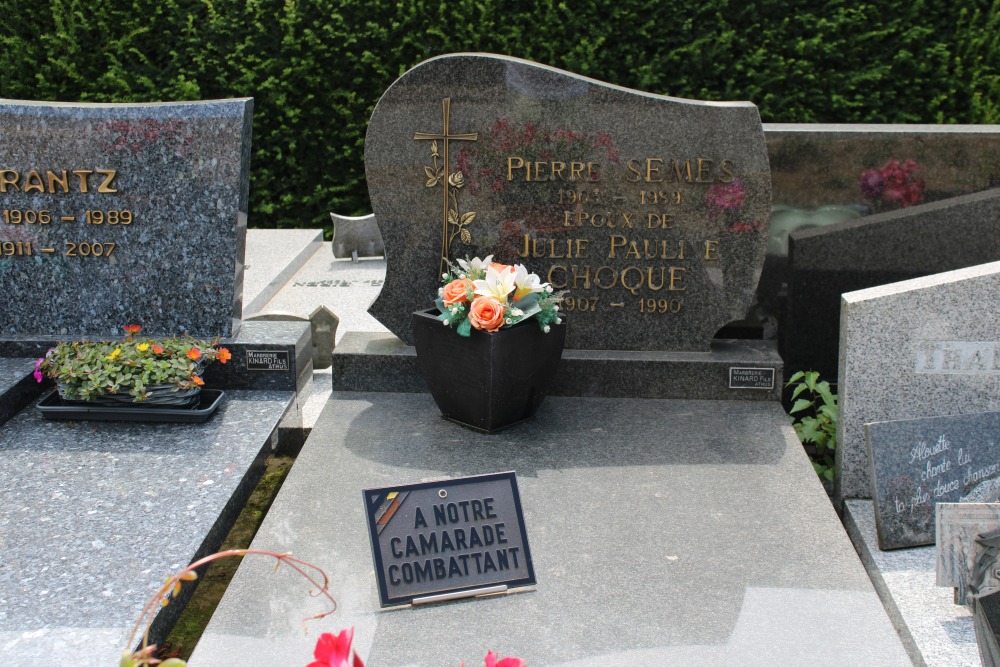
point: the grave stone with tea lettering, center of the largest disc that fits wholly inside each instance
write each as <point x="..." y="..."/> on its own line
<point x="114" y="215"/>
<point x="619" y="495"/>
<point x="919" y="348"/>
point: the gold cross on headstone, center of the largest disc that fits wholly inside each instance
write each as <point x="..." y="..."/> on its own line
<point x="444" y="136"/>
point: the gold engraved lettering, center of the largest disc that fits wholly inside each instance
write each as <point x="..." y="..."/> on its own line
<point x="586" y="277"/>
<point x="551" y="276"/>
<point x="726" y="171"/>
<point x="649" y="281"/>
<point x="54" y="180"/>
<point x="8" y="177"/>
<point x="511" y="166"/>
<point x="597" y="277"/>
<point x="557" y="170"/>
<point x="675" y="167"/>
<point x="705" y="171"/>
<point x="576" y="171"/>
<point x="633" y="167"/>
<point x="617" y="242"/>
<point x="627" y="217"/>
<point x="659" y="220"/>
<point x="33" y="182"/>
<point x="634" y="288"/>
<point x="82" y="175"/>
<point x="711" y="250"/>
<point x="109" y="175"/>
<point x="651" y="170"/>
<point x="677" y="279"/>
<point x="633" y="251"/>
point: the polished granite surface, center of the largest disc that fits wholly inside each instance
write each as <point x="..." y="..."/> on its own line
<point x="663" y="532"/>
<point x="95" y="515"/>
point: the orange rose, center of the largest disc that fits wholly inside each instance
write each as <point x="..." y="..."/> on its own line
<point x="486" y="313"/>
<point x="500" y="268"/>
<point x="456" y="291"/>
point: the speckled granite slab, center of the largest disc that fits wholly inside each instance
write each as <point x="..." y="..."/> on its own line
<point x="701" y="538"/>
<point x="117" y="214"/>
<point x="95" y="515"/>
<point x="381" y="362"/>
<point x="273" y="256"/>
<point x="926" y="347"/>
<point x="875" y="250"/>
<point x="936" y="631"/>
<point x="18" y="386"/>
<point x="653" y="211"/>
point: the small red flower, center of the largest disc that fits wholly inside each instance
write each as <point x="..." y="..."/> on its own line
<point x="492" y="660"/>
<point x="132" y="329"/>
<point x="224" y="355"/>
<point x="197" y="380"/>
<point x="194" y="354"/>
<point x="157" y="349"/>
<point x="335" y="651"/>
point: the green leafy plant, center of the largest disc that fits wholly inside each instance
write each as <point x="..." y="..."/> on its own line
<point x="88" y="370"/>
<point x="816" y="423"/>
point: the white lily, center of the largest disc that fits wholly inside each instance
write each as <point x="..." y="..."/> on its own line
<point x="475" y="265"/>
<point x="526" y="283"/>
<point x="497" y="284"/>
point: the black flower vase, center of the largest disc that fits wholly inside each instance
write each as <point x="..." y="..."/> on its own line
<point x="487" y="381"/>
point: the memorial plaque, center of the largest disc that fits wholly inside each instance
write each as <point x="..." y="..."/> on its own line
<point x="751" y="378"/>
<point x="917" y="463"/>
<point x="652" y="212"/>
<point x="115" y="214"/>
<point x="267" y="360"/>
<point x="448" y="538"/>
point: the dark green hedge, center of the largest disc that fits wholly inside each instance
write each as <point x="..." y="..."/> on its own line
<point x="317" y="67"/>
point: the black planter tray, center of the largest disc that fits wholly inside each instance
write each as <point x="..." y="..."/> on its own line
<point x="53" y="407"/>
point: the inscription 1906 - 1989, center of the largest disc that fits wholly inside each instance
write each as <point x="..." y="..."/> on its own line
<point x="101" y="181"/>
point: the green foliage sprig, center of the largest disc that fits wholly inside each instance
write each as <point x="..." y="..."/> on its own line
<point x="817" y="423"/>
<point x="86" y="370"/>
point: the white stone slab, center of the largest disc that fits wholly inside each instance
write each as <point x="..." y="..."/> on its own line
<point x="272" y="257"/>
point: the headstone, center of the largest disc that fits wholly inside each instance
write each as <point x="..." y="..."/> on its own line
<point x="875" y="250"/>
<point x="988" y="628"/>
<point x="959" y="528"/>
<point x="356" y="236"/>
<point x="918" y="463"/>
<point x="919" y="348"/>
<point x="121" y="214"/>
<point x="652" y="211"/>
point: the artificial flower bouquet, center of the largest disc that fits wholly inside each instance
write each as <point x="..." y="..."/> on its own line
<point x="484" y="295"/>
<point x="134" y="370"/>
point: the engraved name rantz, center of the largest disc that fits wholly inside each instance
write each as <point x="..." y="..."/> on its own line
<point x="75" y="180"/>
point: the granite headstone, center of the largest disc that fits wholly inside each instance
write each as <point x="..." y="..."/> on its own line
<point x="917" y="463"/>
<point x="652" y="211"/>
<point x="113" y="214"/>
<point x="875" y="250"/>
<point x="925" y="347"/>
<point x="356" y="236"/>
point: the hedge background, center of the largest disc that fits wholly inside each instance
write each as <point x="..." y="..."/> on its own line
<point x="316" y="68"/>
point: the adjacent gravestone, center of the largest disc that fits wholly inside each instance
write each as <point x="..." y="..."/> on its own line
<point x="918" y="348"/>
<point x="356" y="236"/>
<point x="961" y="560"/>
<point x="652" y="211"/>
<point x="119" y="214"/>
<point x="918" y="463"/>
<point x="875" y="250"/>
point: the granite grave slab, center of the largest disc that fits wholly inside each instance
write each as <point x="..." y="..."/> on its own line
<point x="123" y="213"/>
<point x="888" y="247"/>
<point x="273" y="256"/>
<point x="935" y="631"/>
<point x="94" y="516"/>
<point x="640" y="556"/>
<point x="658" y="235"/>
<point x="958" y="527"/>
<point x="18" y="386"/>
<point x="918" y="463"/>
<point x="917" y="348"/>
<point x="356" y="236"/>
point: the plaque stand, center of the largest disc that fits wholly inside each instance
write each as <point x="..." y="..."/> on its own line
<point x="457" y="595"/>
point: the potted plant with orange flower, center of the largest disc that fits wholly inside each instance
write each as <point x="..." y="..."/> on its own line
<point x="490" y="348"/>
<point x="133" y="372"/>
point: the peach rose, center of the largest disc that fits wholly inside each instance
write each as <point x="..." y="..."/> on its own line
<point x="486" y="313"/>
<point x="500" y="268"/>
<point x="455" y="292"/>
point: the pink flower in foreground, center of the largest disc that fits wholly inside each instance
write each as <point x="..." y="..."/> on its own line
<point x="38" y="370"/>
<point x="492" y="660"/>
<point x="335" y="651"/>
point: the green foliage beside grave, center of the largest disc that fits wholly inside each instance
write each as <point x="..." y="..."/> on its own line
<point x="317" y="67"/>
<point x="816" y="421"/>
